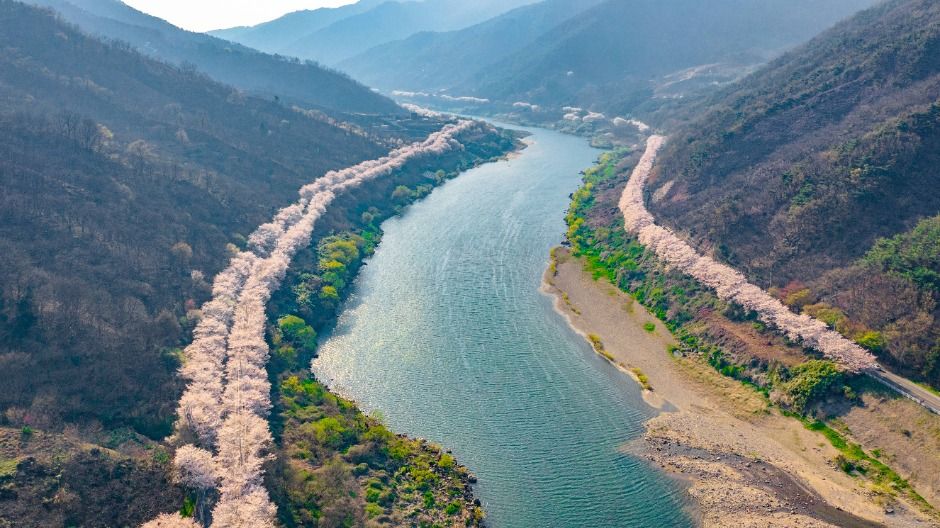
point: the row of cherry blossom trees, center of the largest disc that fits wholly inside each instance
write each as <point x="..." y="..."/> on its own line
<point x="730" y="284"/>
<point x="223" y="410"/>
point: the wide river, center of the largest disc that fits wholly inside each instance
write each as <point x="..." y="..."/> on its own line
<point x="449" y="337"/>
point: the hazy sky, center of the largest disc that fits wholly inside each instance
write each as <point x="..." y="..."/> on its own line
<point x="203" y="15"/>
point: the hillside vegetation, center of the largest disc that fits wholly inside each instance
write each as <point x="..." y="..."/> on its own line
<point x="304" y="83"/>
<point x="127" y="184"/>
<point x="794" y="174"/>
<point x="880" y="438"/>
<point x="124" y="181"/>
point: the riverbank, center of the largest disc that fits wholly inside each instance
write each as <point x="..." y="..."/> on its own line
<point x="448" y="337"/>
<point x="747" y="464"/>
<point x="336" y="465"/>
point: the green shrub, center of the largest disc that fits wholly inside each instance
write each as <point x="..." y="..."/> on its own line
<point x="329" y="294"/>
<point x="446" y="462"/>
<point x="331" y="432"/>
<point x="374" y="510"/>
<point x="189" y="507"/>
<point x="873" y="341"/>
<point x="649" y="327"/>
<point x="298" y="332"/>
<point x="428" y="500"/>
<point x="810" y="382"/>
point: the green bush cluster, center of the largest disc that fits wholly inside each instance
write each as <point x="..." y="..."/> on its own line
<point x="809" y="383"/>
<point x="323" y="431"/>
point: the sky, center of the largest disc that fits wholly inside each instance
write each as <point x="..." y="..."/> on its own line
<point x="203" y="15"/>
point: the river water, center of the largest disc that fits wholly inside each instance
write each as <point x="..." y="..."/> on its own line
<point x="450" y="339"/>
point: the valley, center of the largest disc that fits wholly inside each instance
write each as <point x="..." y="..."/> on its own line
<point x="435" y="263"/>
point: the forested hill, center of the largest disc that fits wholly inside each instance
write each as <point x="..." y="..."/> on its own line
<point x="793" y="174"/>
<point x="305" y="83"/>
<point x="124" y="179"/>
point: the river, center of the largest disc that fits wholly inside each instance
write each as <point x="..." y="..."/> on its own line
<point x="448" y="336"/>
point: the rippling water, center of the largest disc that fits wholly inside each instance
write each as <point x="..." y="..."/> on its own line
<point x="450" y="339"/>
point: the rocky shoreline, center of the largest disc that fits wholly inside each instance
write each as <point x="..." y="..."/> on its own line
<point x="745" y="464"/>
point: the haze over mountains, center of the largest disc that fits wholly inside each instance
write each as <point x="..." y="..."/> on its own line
<point x="607" y="56"/>
<point x="332" y="35"/>
<point x="305" y="83"/>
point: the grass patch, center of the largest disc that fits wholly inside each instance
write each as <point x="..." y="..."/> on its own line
<point x="642" y="378"/>
<point x="599" y="347"/>
<point x="8" y="467"/>
<point x="596" y="342"/>
<point x="649" y="327"/>
<point x="928" y="388"/>
<point x="854" y="460"/>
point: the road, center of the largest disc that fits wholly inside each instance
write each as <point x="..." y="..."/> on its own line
<point x="909" y="389"/>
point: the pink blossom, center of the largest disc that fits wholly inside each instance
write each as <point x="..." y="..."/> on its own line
<point x="728" y="283"/>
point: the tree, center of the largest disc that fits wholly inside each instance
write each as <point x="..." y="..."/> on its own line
<point x="182" y="251"/>
<point x="195" y="468"/>
<point x="298" y="332"/>
<point x="401" y="194"/>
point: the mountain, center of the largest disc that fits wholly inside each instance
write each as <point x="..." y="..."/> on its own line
<point x="435" y="61"/>
<point x="277" y="34"/>
<point x="818" y="175"/>
<point x="302" y="82"/>
<point x="385" y="22"/>
<point x="609" y="57"/>
<point x="124" y="180"/>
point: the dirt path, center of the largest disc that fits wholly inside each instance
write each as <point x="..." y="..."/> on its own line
<point x="747" y="464"/>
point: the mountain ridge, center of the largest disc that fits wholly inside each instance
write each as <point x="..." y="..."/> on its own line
<point x="358" y="28"/>
<point x="303" y="82"/>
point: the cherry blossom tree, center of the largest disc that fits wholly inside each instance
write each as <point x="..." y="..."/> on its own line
<point x="227" y="399"/>
<point x="728" y="283"/>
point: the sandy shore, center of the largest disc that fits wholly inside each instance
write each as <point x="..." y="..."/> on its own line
<point x="747" y="465"/>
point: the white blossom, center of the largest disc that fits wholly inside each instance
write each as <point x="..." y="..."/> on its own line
<point x="728" y="283"/>
<point x="195" y="468"/>
<point x="250" y="510"/>
<point x="227" y="399"/>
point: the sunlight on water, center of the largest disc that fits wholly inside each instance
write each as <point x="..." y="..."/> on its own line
<point x="449" y="337"/>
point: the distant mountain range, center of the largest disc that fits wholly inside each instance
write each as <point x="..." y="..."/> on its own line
<point x="607" y="56"/>
<point x="305" y="83"/>
<point x="277" y="35"/>
<point x="333" y="35"/>
<point x="434" y="61"/>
